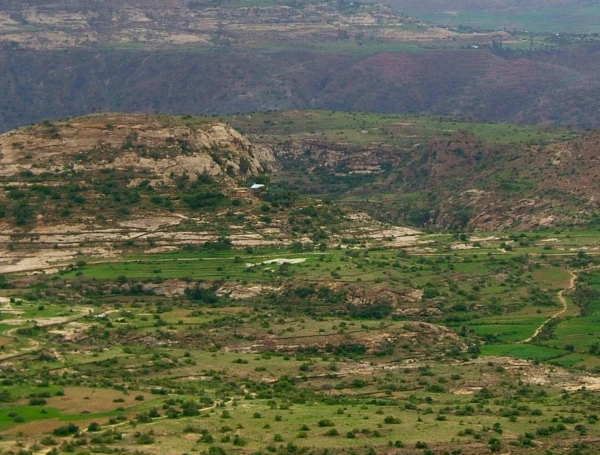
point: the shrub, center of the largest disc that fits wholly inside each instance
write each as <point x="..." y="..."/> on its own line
<point x="94" y="426"/>
<point x="326" y="423"/>
<point x="390" y="420"/>
<point x="144" y="438"/>
<point x="65" y="430"/>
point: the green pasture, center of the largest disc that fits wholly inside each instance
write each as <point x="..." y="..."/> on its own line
<point x="506" y="333"/>
<point x="523" y="351"/>
<point x="553" y="19"/>
<point x="28" y="414"/>
<point x="581" y="332"/>
<point x="391" y="129"/>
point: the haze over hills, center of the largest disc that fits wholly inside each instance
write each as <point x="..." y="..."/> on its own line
<point x="60" y="59"/>
<point x="558" y="16"/>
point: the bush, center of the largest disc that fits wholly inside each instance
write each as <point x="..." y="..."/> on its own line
<point x="144" y="438"/>
<point x="66" y="430"/>
<point x="48" y="441"/>
<point x="94" y="426"/>
<point x="205" y="199"/>
<point x="390" y="420"/>
<point x="326" y="423"/>
<point x="495" y="444"/>
<point x="199" y="294"/>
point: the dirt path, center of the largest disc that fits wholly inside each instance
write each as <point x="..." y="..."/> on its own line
<point x="33" y="345"/>
<point x="41" y="322"/>
<point x="562" y="300"/>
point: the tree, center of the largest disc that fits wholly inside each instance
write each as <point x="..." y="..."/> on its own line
<point x="584" y="296"/>
<point x="23" y="213"/>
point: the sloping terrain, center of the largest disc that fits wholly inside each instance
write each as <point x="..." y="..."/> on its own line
<point x="441" y="173"/>
<point x="471" y="82"/>
<point x="104" y="184"/>
<point x="152" y="301"/>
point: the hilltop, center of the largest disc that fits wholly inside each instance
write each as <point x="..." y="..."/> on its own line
<point x="163" y="147"/>
<point x="105" y="184"/>
<point x="104" y="170"/>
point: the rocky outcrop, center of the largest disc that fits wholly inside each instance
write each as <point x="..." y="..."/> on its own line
<point x="158" y="146"/>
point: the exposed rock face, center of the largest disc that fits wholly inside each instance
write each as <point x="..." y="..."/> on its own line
<point x="160" y="146"/>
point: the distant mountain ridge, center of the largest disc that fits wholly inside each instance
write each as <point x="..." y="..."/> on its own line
<point x="60" y="59"/>
<point x="541" y="88"/>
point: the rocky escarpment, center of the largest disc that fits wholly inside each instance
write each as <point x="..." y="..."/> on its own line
<point x="96" y="187"/>
<point x="91" y="185"/>
<point x="159" y="146"/>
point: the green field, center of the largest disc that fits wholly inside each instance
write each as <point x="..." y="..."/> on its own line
<point x="395" y="130"/>
<point x="577" y="19"/>
<point x="299" y="362"/>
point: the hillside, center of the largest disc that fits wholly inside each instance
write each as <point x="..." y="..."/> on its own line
<point x="60" y="59"/>
<point x="552" y="89"/>
<point x="437" y="172"/>
<point x="107" y="184"/>
<point x="137" y="25"/>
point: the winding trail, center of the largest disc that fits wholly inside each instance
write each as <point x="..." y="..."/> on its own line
<point x="33" y="344"/>
<point x="562" y="300"/>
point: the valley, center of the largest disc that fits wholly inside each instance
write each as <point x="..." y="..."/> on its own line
<point x="152" y="302"/>
<point x="299" y="227"/>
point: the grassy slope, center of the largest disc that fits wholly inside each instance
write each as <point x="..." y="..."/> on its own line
<point x="353" y="334"/>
